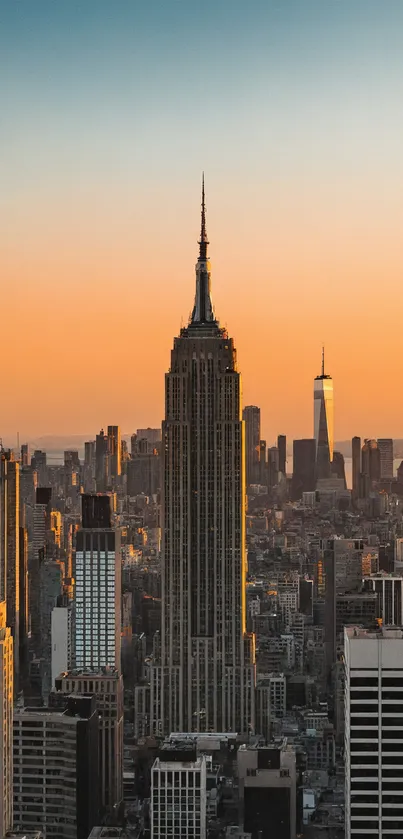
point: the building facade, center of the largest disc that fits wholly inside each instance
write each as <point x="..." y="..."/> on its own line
<point x="373" y="748"/>
<point x="205" y="677"/>
<point x="6" y="724"/>
<point x="9" y="546"/>
<point x="97" y="594"/>
<point x="56" y="769"/>
<point x="323" y="422"/>
<point x="385" y="447"/>
<point x="178" y="798"/>
<point x="107" y="687"/>
<point x="251" y="418"/>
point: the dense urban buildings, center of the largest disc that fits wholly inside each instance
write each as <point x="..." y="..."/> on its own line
<point x="188" y="601"/>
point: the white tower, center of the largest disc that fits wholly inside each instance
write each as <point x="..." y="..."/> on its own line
<point x="323" y="421"/>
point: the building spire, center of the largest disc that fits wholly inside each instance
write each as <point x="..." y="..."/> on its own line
<point x="203" y="242"/>
<point x="203" y="312"/>
<point x="323" y="360"/>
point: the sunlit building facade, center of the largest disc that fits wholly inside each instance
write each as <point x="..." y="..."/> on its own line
<point x="6" y="724"/>
<point x="323" y="422"/>
<point x="205" y="678"/>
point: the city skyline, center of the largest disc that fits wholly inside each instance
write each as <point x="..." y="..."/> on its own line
<point x="101" y="157"/>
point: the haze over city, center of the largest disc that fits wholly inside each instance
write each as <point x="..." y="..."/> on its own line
<point x="109" y="114"/>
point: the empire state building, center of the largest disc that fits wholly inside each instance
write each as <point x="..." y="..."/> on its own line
<point x="203" y="678"/>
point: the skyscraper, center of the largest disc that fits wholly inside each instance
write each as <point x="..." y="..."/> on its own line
<point x="371" y="461"/>
<point x="102" y="466"/>
<point x="373" y="743"/>
<point x="385" y="447"/>
<point x="6" y="724"/>
<point x="303" y="473"/>
<point x="356" y="455"/>
<point x="97" y="593"/>
<point x="282" y="453"/>
<point x="251" y="417"/>
<point x="9" y="544"/>
<point x="323" y="421"/>
<point x="206" y="675"/>
<point x="115" y="453"/>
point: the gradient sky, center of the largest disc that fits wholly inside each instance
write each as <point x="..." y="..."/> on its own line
<point x="109" y="112"/>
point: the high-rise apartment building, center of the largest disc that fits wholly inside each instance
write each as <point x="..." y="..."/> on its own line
<point x="205" y="677"/>
<point x="373" y="747"/>
<point x="56" y="769"/>
<point x="6" y="724"/>
<point x="385" y="447"/>
<point x="356" y="468"/>
<point x="251" y="418"/>
<point x="97" y="594"/>
<point x="323" y="421"/>
<point x="178" y="796"/>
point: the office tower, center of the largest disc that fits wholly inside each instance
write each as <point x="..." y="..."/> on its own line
<point x="102" y="466"/>
<point x="25" y="457"/>
<point x="356" y="455"/>
<point x="282" y="453"/>
<point x="272" y="469"/>
<point x="206" y="675"/>
<point x="268" y="791"/>
<point x="97" y="595"/>
<point x="9" y="547"/>
<point x="56" y="769"/>
<point x="251" y="418"/>
<point x="39" y="465"/>
<point x="385" y="447"/>
<point x="373" y="751"/>
<point x="88" y="473"/>
<point x="178" y="795"/>
<point x="303" y="474"/>
<point x="24" y="601"/>
<point x="51" y="575"/>
<point x="305" y="605"/>
<point x="342" y="563"/>
<point x="6" y="724"/>
<point x="41" y="519"/>
<point x="114" y="450"/>
<point x="262" y="465"/>
<point x="389" y="591"/>
<point x="144" y="471"/>
<point x="337" y="468"/>
<point x="152" y="435"/>
<point x="371" y="460"/>
<point x="323" y="421"/>
<point x="61" y="635"/>
<point x="71" y="459"/>
<point x="107" y="687"/>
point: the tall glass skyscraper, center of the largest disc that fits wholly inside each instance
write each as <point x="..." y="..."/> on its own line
<point x="205" y="677"/>
<point x="323" y="421"/>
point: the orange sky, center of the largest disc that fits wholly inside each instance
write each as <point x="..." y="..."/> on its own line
<point x="294" y="113"/>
